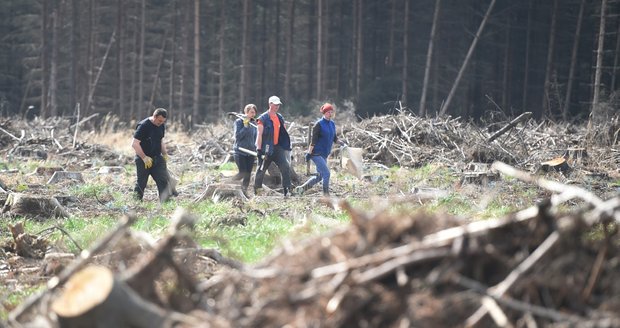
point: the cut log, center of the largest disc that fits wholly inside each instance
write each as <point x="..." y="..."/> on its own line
<point x="47" y="171"/>
<point x="219" y="192"/>
<point x="111" y="170"/>
<point x="34" y="206"/>
<point x="94" y="298"/>
<point x="559" y="164"/>
<point x="60" y="176"/>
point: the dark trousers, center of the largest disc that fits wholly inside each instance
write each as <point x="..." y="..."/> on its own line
<point x="278" y="157"/>
<point x="159" y="172"/>
<point x="245" y="165"/>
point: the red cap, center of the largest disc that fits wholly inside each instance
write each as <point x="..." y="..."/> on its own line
<point x="326" y="108"/>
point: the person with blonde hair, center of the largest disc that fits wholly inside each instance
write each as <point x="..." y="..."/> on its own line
<point x="245" y="136"/>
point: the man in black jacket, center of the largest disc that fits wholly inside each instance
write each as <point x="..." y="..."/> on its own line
<point x="151" y="154"/>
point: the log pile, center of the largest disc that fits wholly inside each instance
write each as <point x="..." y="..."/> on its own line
<point x="537" y="267"/>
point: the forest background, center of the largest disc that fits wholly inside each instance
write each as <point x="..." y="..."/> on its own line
<point x="200" y="59"/>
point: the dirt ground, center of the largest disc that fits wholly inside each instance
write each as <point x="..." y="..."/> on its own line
<point x="553" y="264"/>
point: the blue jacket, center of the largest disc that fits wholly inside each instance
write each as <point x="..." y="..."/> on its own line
<point x="245" y="137"/>
<point x="284" y="140"/>
<point x="323" y="137"/>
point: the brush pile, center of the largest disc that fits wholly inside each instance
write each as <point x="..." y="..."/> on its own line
<point x="537" y="267"/>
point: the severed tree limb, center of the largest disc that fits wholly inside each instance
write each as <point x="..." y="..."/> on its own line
<point x="11" y="135"/>
<point x="75" y="266"/>
<point x="141" y="277"/>
<point x="513" y="303"/>
<point x="500" y="289"/>
<point x="510" y="125"/>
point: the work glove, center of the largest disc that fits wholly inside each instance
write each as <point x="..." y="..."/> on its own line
<point x="259" y="153"/>
<point x="307" y="157"/>
<point x="246" y="122"/>
<point x="165" y="156"/>
<point x="148" y="162"/>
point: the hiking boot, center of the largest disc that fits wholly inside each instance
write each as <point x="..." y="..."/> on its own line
<point x="286" y="193"/>
<point x="258" y="191"/>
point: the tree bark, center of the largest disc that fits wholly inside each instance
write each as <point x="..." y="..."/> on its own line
<point x="506" y="90"/>
<point x="140" y="102"/>
<point x="359" y="51"/>
<point x="319" y="50"/>
<point x="446" y="105"/>
<point x="120" y="60"/>
<point x="53" y="90"/>
<point x="44" y="58"/>
<point x="405" y="71"/>
<point x="243" y="78"/>
<point x="546" y="102"/>
<point x="288" y="70"/>
<point x="429" y="57"/>
<point x="573" y="62"/>
<point x="599" y="63"/>
<point x="222" y="55"/>
<point x="526" y="67"/>
<point x="196" y="104"/>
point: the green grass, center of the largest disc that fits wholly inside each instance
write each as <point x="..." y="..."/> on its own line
<point x="12" y="297"/>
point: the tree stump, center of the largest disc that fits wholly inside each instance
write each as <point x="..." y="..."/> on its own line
<point x="47" y="171"/>
<point x="65" y="176"/>
<point x="559" y="164"/>
<point x="94" y="298"/>
<point x="219" y="192"/>
<point x="27" y="245"/>
<point x="34" y="206"/>
<point x="111" y="170"/>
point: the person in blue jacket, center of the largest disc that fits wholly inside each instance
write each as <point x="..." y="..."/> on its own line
<point x="245" y="136"/>
<point x="323" y="137"/>
<point x="272" y="145"/>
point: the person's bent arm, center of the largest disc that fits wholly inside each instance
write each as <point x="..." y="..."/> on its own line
<point x="259" y="135"/>
<point x="135" y="144"/>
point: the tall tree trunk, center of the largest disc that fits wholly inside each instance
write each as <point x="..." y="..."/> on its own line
<point x="173" y="58"/>
<point x="506" y="67"/>
<point x="405" y="72"/>
<point x="429" y="57"/>
<point x="141" y="58"/>
<point x="222" y="53"/>
<point x="526" y="67"/>
<point x="245" y="67"/>
<point x="196" y="105"/>
<point x="74" y="56"/>
<point x="156" y="79"/>
<point x="573" y="62"/>
<point x="133" y="72"/>
<point x="359" y="51"/>
<point x="614" y="70"/>
<point x="394" y="17"/>
<point x="120" y="60"/>
<point x="275" y="52"/>
<point x="599" y="64"/>
<point x="546" y="102"/>
<point x="310" y="55"/>
<point x="289" y="50"/>
<point x="446" y="105"/>
<point x="53" y="91"/>
<point x="44" y="58"/>
<point x="319" y="50"/>
<point x="185" y="35"/>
